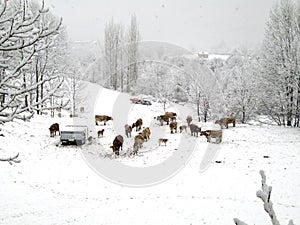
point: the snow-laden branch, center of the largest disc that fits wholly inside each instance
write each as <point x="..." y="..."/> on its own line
<point x="11" y="160"/>
<point x="14" y="73"/>
<point x="25" y="29"/>
<point x="265" y="194"/>
<point x="2" y="8"/>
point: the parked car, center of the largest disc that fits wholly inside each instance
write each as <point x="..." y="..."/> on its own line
<point x="73" y="134"/>
<point x="140" y="101"/>
<point x="145" y="102"/>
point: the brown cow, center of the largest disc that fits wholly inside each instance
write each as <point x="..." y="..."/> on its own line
<point x="171" y="116"/>
<point x="138" y="143"/>
<point x="100" y="133"/>
<point x="146" y="133"/>
<point x="225" y="121"/>
<point x="53" y="128"/>
<point x="117" y="143"/>
<point x="100" y="118"/>
<point x="128" y="130"/>
<point x="173" y="126"/>
<point x="138" y="124"/>
<point x="162" y="119"/>
<point x="217" y="134"/>
<point x="166" y="117"/>
<point x="195" y="129"/>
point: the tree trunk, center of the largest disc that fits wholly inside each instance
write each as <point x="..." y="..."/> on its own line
<point x="37" y="88"/>
<point x="289" y="105"/>
<point x="52" y="108"/>
<point x="74" y="96"/>
<point x="297" y="114"/>
<point x="24" y="86"/>
<point x="42" y="92"/>
<point x="198" y="105"/>
<point x="128" y="79"/>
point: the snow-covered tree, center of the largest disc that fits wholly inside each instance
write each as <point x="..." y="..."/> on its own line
<point x="113" y="53"/>
<point x="280" y="64"/>
<point x="24" y="27"/>
<point x="202" y="88"/>
<point x="240" y="86"/>
<point x="133" y="38"/>
<point x="73" y="86"/>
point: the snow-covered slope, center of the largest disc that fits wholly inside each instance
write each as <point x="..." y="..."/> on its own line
<point x="55" y="185"/>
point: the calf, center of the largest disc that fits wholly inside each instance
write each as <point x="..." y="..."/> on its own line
<point x="182" y="127"/>
<point x="173" y="126"/>
<point x="117" y="143"/>
<point x="100" y="133"/>
<point x="53" y="128"/>
<point x="195" y="129"/>
<point x="128" y="130"/>
<point x="102" y="118"/>
<point x="138" y="124"/>
<point x="162" y="140"/>
<point x="225" y="121"/>
<point x="217" y="134"/>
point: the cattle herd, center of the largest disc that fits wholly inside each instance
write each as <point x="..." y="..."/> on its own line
<point x="170" y="118"/>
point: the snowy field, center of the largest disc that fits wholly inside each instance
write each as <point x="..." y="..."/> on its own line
<point x="54" y="184"/>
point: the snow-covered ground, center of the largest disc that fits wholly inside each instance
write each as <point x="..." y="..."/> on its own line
<point x="54" y="184"/>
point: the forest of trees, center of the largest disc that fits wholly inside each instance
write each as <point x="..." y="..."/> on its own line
<point x="38" y="71"/>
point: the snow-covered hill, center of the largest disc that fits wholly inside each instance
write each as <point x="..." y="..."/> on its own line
<point x="59" y="185"/>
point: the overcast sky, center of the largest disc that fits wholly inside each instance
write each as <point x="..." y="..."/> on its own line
<point x="201" y="25"/>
